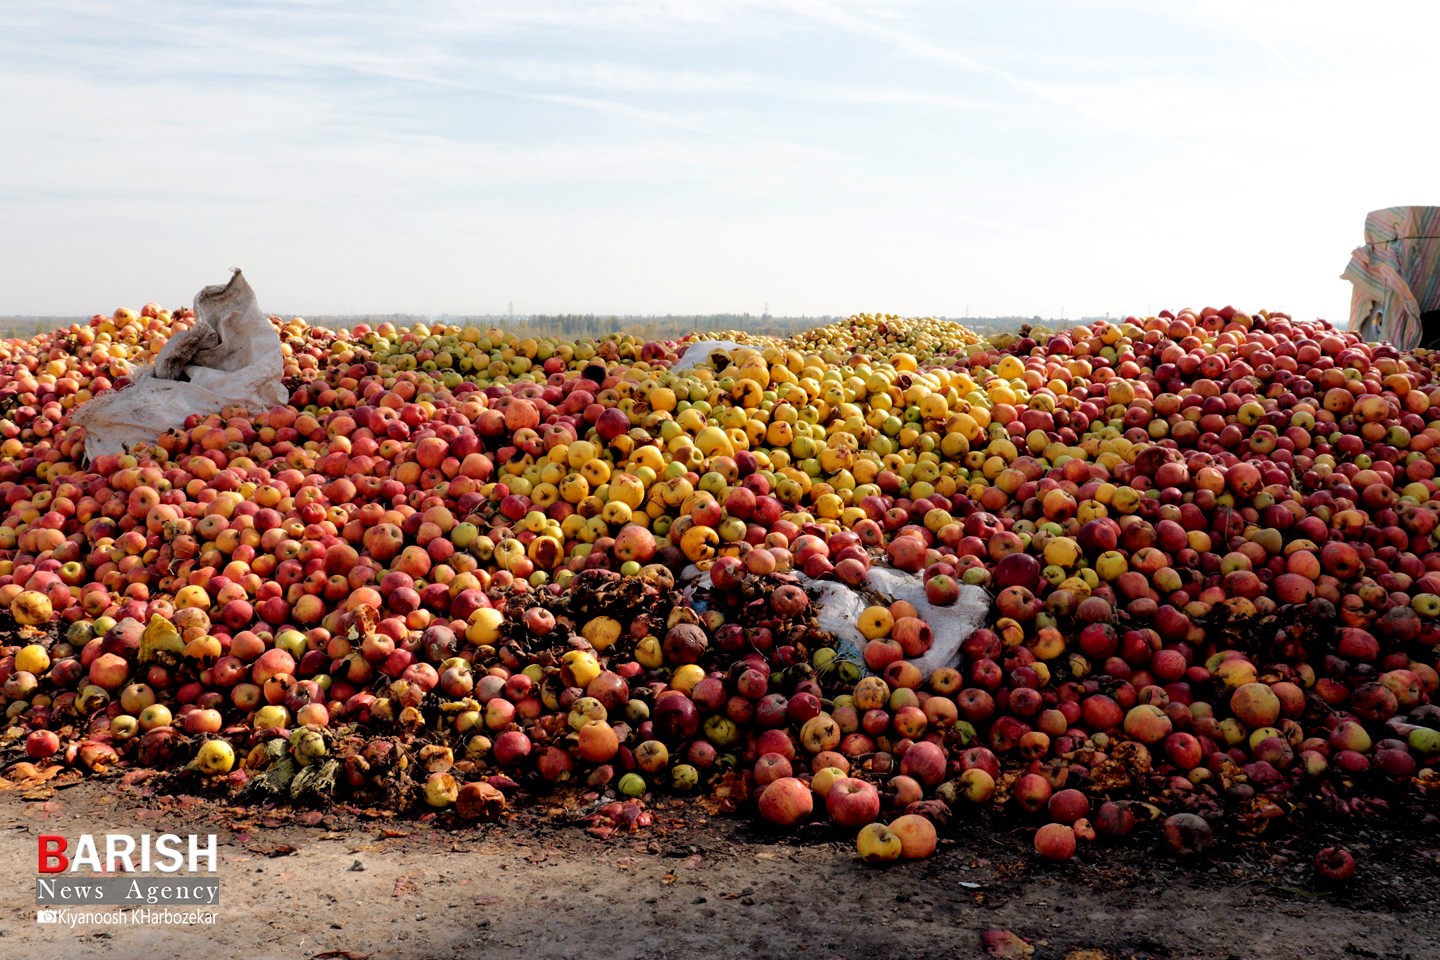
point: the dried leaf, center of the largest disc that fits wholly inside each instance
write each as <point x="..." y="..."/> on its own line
<point x="28" y="774"/>
<point x="161" y="642"/>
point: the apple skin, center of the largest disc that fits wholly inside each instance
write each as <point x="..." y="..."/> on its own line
<point x="1187" y="835"/>
<point x="787" y="801"/>
<point x="917" y="836"/>
<point x="877" y="843"/>
<point x="1335" y="864"/>
<point x="41" y="744"/>
<point x="852" y="802"/>
<point x="824" y="779"/>
<point x="771" y="767"/>
<point x="925" y="762"/>
<point x="1114" y="819"/>
<point x="1055" y="841"/>
<point x="942" y="590"/>
<point x="977" y="785"/>
<point x="1069" y="805"/>
<point x="1032" y="793"/>
<point x="1256" y="705"/>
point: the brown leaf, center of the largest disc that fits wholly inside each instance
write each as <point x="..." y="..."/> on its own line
<point x="160" y="642"/>
<point x="132" y="777"/>
<point x="23" y="772"/>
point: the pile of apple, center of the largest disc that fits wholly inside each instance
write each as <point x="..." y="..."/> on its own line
<point x="450" y="571"/>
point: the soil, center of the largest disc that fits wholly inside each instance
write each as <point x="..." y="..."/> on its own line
<point x="348" y="884"/>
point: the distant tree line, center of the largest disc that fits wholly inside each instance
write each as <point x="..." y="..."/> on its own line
<point x="23" y="328"/>
<point x="572" y="325"/>
<point x="670" y="326"/>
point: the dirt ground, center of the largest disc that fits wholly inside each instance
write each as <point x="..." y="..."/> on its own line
<point x="345" y="886"/>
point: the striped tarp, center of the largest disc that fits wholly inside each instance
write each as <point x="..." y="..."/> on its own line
<point x="1396" y="274"/>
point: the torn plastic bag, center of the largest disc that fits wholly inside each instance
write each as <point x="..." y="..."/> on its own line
<point x="838" y="608"/>
<point x="230" y="357"/>
<point x="705" y="351"/>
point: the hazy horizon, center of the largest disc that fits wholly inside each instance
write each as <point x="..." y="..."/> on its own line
<point x="644" y="157"/>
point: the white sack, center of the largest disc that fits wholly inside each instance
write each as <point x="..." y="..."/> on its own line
<point x="838" y="608"/>
<point x="703" y="351"/>
<point x="231" y="357"/>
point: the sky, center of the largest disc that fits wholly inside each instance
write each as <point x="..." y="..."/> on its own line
<point x="921" y="157"/>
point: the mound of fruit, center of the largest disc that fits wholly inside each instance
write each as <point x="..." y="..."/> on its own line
<point x="451" y="574"/>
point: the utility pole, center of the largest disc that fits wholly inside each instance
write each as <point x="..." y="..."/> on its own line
<point x="512" y="313"/>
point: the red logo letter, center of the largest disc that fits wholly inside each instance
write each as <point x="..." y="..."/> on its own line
<point x="52" y="854"/>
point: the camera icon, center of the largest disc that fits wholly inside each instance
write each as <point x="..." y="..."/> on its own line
<point x="47" y="916"/>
